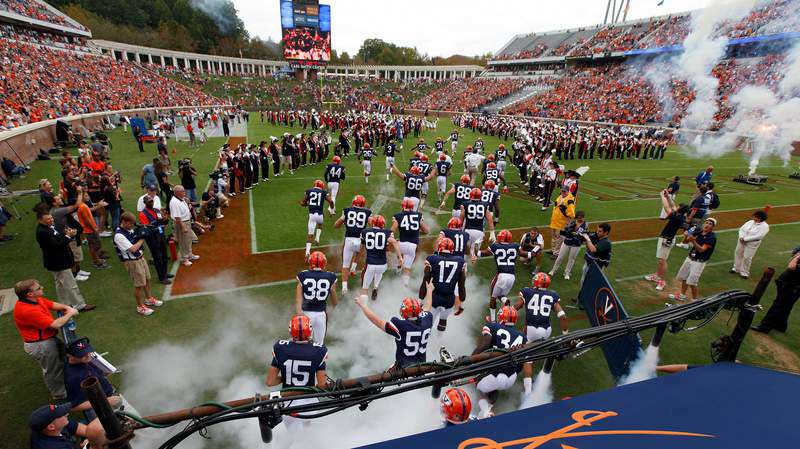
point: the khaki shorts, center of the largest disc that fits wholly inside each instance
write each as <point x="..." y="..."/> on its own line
<point x="77" y="251"/>
<point x="662" y="250"/>
<point x="138" y="270"/>
<point x="690" y="271"/>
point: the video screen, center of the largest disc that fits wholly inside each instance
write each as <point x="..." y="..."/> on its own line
<point x="305" y="43"/>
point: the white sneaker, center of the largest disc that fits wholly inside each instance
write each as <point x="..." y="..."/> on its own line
<point x="106" y="234"/>
<point x="144" y="310"/>
<point x="195" y="257"/>
<point x="81" y="278"/>
<point x="566" y="276"/>
<point x="550" y="273"/>
<point x="344" y="289"/>
<point x="187" y="263"/>
<point x="652" y="278"/>
<point x="84" y="273"/>
<point x="153" y="302"/>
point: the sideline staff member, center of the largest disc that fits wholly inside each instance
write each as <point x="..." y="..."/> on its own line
<point x="129" y="250"/>
<point x="52" y="429"/>
<point x="788" y="284"/>
<point x="38" y="328"/>
<point x="702" y="243"/>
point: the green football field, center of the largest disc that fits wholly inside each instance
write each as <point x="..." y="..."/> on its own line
<point x="202" y="348"/>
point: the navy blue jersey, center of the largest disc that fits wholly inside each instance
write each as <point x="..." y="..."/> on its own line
<point x="442" y="168"/>
<point x="414" y="185"/>
<point x="478" y="144"/>
<point x="316" y="286"/>
<point x="334" y="173"/>
<point x="461" y="194"/>
<point x="389" y="149"/>
<point x="475" y="213"/>
<point x="505" y="256"/>
<point x="491" y="174"/>
<point x="422" y="147"/>
<point x="538" y="305"/>
<point x="454" y="136"/>
<point x="446" y="270"/>
<point x="314" y="198"/>
<point x="367" y="154"/>
<point x="426" y="167"/>
<point x="501" y="154"/>
<point x="459" y="238"/>
<point x="299" y="362"/>
<point x="409" y="223"/>
<point x="355" y="220"/>
<point x="490" y="197"/>
<point x="504" y="337"/>
<point x="375" y="241"/>
<point x="413" y="162"/>
<point x="411" y="338"/>
<point x="439" y="145"/>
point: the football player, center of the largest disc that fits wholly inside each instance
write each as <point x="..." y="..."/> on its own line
<point x="479" y="145"/>
<point x="411" y="332"/>
<point x="531" y="246"/>
<point x="421" y="145"/>
<point x="461" y="190"/>
<point x="455" y="232"/>
<point x="501" y="335"/>
<point x="493" y="174"/>
<point x="439" y="145"/>
<point x="453" y="141"/>
<point x="313" y="200"/>
<point x="505" y="253"/>
<point x="472" y="161"/>
<point x="539" y="302"/>
<point x="354" y="219"/>
<point x="502" y="156"/>
<point x="408" y="224"/>
<point x="414" y="180"/>
<point x="444" y="273"/>
<point x="427" y="169"/>
<point x="314" y="287"/>
<point x="456" y="407"/>
<point x="389" y="151"/>
<point x="490" y="196"/>
<point x="375" y="240"/>
<point x="365" y="157"/>
<point x="334" y="174"/>
<point x="443" y="167"/>
<point x="475" y="213"/>
<point x="414" y="160"/>
<point x="298" y="363"/>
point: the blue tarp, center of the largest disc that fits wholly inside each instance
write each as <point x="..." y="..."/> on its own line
<point x="720" y="406"/>
<point x="737" y="41"/>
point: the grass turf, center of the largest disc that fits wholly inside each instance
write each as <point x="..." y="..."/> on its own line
<point x="280" y="223"/>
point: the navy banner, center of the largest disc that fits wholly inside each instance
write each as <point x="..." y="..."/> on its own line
<point x="603" y="306"/>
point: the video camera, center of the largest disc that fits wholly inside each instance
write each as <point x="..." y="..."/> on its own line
<point x="145" y="231"/>
<point x="218" y="173"/>
<point x="572" y="231"/>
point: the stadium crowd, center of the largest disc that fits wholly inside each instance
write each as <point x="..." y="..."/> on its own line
<point x="467" y="94"/>
<point x="37" y="10"/>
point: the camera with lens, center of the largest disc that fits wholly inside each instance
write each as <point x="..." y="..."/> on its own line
<point x="795" y="251"/>
<point x="144" y="231"/>
<point x="184" y="163"/>
<point x="572" y="231"/>
<point x="217" y="174"/>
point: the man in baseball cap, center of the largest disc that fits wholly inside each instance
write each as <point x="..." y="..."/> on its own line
<point x="52" y="429"/>
<point x="77" y="369"/>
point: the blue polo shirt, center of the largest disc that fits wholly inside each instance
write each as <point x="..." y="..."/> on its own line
<point x="63" y="441"/>
<point x="75" y="374"/>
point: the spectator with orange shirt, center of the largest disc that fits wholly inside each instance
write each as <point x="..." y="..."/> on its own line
<point x="91" y="231"/>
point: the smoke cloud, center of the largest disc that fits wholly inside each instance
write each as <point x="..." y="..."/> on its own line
<point x="542" y="392"/>
<point x="644" y="368"/>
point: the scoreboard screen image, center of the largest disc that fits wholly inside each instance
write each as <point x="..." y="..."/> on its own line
<point x="306" y="43"/>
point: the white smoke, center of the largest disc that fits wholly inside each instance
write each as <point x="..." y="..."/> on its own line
<point x="542" y="392"/>
<point x="230" y="360"/>
<point x="216" y="10"/>
<point x="644" y="368"/>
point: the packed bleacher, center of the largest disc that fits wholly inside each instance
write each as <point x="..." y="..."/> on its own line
<point x="18" y="33"/>
<point x="467" y="94"/>
<point x="40" y="83"/>
<point x="35" y="9"/>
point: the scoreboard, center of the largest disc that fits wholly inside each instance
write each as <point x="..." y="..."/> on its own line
<point x="306" y="27"/>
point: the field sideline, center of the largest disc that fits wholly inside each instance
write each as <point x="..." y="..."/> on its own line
<point x="193" y="323"/>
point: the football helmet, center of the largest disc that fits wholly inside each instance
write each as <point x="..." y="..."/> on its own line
<point x="378" y="221"/>
<point x="359" y="201"/>
<point x="541" y="280"/>
<point x="502" y="146"/>
<point x="407" y="204"/>
<point x="445" y="245"/>
<point x="475" y="194"/>
<point x="454" y="223"/>
<point x="319" y="184"/>
<point x="507" y="315"/>
<point x="456" y="405"/>
<point x="410" y="308"/>
<point x="415" y="170"/>
<point x="442" y="157"/>
<point x="300" y="328"/>
<point x="366" y="145"/>
<point x="424" y="158"/>
<point x="491" y="166"/>
<point x="464" y="179"/>
<point x="505" y="236"/>
<point x="317" y="260"/>
<point x="337" y="159"/>
<point x="490" y="157"/>
<point x="489" y="185"/>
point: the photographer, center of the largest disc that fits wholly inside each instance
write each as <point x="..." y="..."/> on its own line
<point x="129" y="249"/>
<point x="156" y="241"/>
<point x="703" y="241"/>
<point x="573" y="239"/>
<point x="598" y="248"/>
<point x="786" y="296"/>
<point x="676" y="220"/>
<point x="187" y="174"/>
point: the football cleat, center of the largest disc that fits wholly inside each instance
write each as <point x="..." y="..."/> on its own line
<point x="456" y="405"/>
<point x="489" y="185"/>
<point x="337" y="159"/>
<point x="410" y="308"/>
<point x="507" y="315"/>
<point x="541" y="280"/>
<point x="445" y="245"/>
<point x="319" y="184"/>
<point x="407" y="204"/>
<point x="317" y="260"/>
<point x="475" y="194"/>
<point x="491" y="165"/>
<point x="454" y="223"/>
<point x="359" y="201"/>
<point x="415" y="170"/>
<point x="377" y="221"/>
<point x="300" y="328"/>
<point x="464" y="179"/>
<point x="505" y="236"/>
